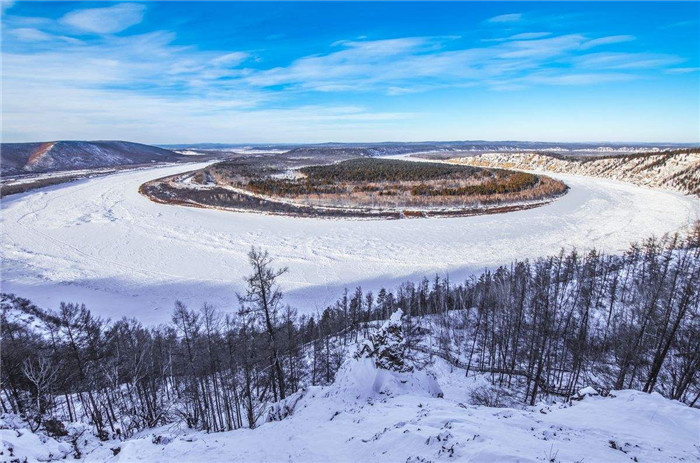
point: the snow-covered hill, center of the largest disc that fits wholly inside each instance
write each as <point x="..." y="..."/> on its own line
<point x="375" y="415"/>
<point x="18" y="158"/>
<point x="677" y="171"/>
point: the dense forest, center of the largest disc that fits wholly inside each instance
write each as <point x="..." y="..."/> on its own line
<point x="536" y="329"/>
<point x="386" y="177"/>
<point x="388" y="170"/>
<point x="513" y="183"/>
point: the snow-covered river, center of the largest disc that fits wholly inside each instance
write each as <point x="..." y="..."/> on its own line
<point x="100" y="242"/>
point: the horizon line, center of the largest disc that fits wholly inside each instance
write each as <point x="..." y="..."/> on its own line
<point x="385" y="142"/>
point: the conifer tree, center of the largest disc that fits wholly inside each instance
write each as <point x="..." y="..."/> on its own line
<point x="387" y="345"/>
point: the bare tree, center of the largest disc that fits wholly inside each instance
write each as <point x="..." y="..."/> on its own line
<point x="262" y="298"/>
<point x="42" y="374"/>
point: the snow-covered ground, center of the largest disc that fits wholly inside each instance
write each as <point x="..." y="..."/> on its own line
<point x="100" y="242"/>
<point x="373" y="415"/>
<point x="342" y="423"/>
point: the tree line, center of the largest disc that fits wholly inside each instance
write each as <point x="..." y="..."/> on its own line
<point x="389" y="170"/>
<point x="539" y="328"/>
<point x="513" y="183"/>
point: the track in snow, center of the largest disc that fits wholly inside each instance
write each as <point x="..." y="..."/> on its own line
<point x="100" y="242"/>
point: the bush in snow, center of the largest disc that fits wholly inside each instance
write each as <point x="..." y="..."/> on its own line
<point x="387" y="345"/>
<point x="285" y="407"/>
<point x="491" y="395"/>
<point x="55" y="428"/>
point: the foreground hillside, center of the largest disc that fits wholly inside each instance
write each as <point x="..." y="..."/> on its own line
<point x="674" y="170"/>
<point x="374" y="415"/>
<point x="18" y="158"/>
<point x="371" y="415"/>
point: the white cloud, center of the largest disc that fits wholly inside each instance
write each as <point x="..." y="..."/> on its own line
<point x="608" y="40"/>
<point x="231" y="59"/>
<point x="682" y="70"/>
<point x="107" y="20"/>
<point x="506" y="18"/>
<point x="626" y="60"/>
<point x="541" y="48"/>
<point x="73" y="113"/>
<point x="522" y="36"/>
<point x="409" y="65"/>
<point x="341" y="69"/>
<point x="529" y="35"/>
<point x="5" y="4"/>
<point x="579" y="78"/>
<point x="29" y="34"/>
<point x="679" y="24"/>
<point x="146" y="61"/>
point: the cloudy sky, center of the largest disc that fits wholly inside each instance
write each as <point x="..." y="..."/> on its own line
<point x="178" y="72"/>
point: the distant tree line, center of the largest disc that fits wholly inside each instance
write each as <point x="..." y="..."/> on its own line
<point x="539" y="328"/>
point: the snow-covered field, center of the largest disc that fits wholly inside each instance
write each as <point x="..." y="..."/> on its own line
<point x="100" y="242"/>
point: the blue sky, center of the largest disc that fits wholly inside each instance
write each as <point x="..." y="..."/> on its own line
<point x="179" y="72"/>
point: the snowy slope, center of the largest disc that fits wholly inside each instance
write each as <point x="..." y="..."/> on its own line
<point x="372" y="415"/>
<point x="413" y="427"/>
<point x="98" y="241"/>
<point x="678" y="172"/>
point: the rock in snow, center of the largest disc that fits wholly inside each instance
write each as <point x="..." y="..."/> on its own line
<point x="586" y="391"/>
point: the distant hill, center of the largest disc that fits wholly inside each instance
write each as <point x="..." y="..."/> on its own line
<point x="19" y="158"/>
<point x="475" y="146"/>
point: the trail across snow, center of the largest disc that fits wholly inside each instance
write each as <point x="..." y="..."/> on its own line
<point x="100" y="242"/>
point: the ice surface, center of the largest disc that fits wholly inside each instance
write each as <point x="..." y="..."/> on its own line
<point x="100" y="242"/>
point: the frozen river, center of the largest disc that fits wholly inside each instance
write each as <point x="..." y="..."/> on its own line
<point x="100" y="242"/>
